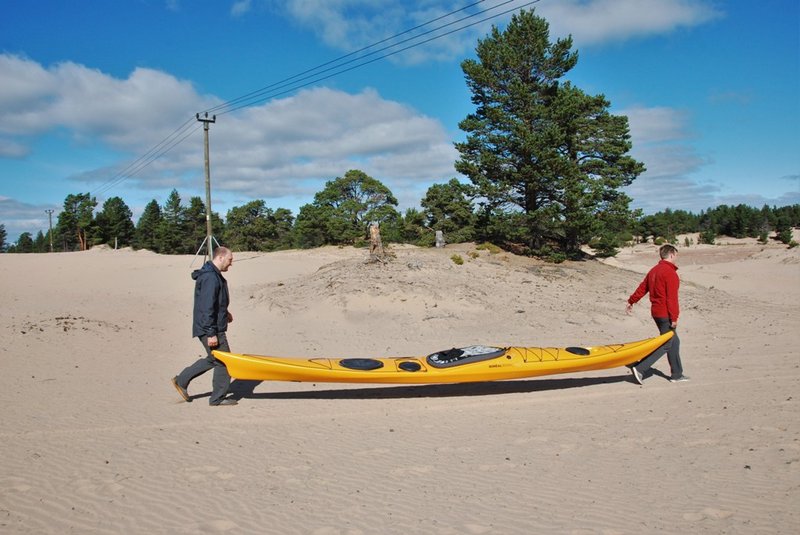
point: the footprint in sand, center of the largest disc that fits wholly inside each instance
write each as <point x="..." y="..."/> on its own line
<point x="97" y="487"/>
<point x="708" y="512"/>
<point x="477" y="529"/>
<point x="327" y="530"/>
<point x="413" y="470"/>
<point x="14" y="484"/>
<point x="374" y="452"/>
<point x="216" y="526"/>
<point x="199" y="474"/>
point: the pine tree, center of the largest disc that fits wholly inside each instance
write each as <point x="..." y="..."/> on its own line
<point x="147" y="228"/>
<point x="547" y="158"/>
<point x="115" y="223"/>
<point x="75" y="221"/>
<point x="171" y="228"/>
<point x="448" y="208"/>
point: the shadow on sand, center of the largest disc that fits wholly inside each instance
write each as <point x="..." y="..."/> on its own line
<point x="244" y="389"/>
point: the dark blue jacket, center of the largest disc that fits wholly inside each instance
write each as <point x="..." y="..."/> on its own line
<point x="210" y="301"/>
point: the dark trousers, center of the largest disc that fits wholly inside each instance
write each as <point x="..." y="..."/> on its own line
<point x="672" y="348"/>
<point x="221" y="380"/>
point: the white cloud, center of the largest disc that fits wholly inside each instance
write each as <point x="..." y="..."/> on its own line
<point x="738" y="98"/>
<point x="129" y="113"/>
<point x="656" y="124"/>
<point x="663" y="141"/>
<point x="319" y="134"/>
<point x="660" y="137"/>
<point x="349" y="25"/>
<point x="601" y="21"/>
<point x="285" y="148"/>
<point x="12" y="149"/>
<point x="240" y="8"/>
<point x="18" y="217"/>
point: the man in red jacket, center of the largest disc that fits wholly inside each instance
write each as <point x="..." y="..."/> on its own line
<point x="662" y="284"/>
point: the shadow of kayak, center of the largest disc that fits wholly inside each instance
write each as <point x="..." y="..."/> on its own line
<point x="245" y="389"/>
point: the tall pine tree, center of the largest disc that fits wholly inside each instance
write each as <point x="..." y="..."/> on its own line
<point x="548" y="159"/>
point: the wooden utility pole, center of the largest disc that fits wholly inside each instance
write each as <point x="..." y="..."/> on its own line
<point x="50" y="217"/>
<point x="209" y="234"/>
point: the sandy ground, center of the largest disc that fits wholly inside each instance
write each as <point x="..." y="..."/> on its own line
<point x="94" y="438"/>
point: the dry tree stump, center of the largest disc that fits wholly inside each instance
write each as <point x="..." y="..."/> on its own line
<point x="376" y="252"/>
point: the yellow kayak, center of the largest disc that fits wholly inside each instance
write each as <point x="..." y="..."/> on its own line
<point x="457" y="365"/>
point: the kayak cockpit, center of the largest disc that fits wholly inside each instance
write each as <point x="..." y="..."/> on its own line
<point x="464" y="355"/>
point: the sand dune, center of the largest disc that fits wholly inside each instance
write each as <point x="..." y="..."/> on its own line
<point x="95" y="439"/>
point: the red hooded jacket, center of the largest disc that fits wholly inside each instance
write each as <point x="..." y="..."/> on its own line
<point x="662" y="283"/>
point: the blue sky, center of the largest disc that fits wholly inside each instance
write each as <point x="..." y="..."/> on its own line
<point x="87" y="88"/>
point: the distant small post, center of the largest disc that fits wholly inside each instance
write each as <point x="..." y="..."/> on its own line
<point x="209" y="241"/>
<point x="439" y="238"/>
<point x="50" y="217"/>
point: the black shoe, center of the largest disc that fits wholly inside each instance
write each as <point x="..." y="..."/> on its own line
<point x="637" y="376"/>
<point x="681" y="379"/>
<point x="226" y="401"/>
<point x="182" y="391"/>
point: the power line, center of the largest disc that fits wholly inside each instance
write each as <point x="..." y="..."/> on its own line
<point x="172" y="140"/>
<point x="163" y="147"/>
<point x="259" y="97"/>
<point x="292" y="83"/>
<point x="262" y="94"/>
<point x="336" y="60"/>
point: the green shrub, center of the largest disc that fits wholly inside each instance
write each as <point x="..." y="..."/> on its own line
<point x="605" y="246"/>
<point x="426" y="240"/>
<point x="625" y="238"/>
<point x="492" y="248"/>
<point x="708" y="236"/>
<point x="457" y="259"/>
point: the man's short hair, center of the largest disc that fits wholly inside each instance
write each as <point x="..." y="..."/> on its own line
<point x="667" y="250"/>
<point x="220" y="252"/>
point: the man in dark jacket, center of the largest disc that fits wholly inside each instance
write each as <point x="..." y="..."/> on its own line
<point x="210" y="323"/>
<point x="662" y="284"/>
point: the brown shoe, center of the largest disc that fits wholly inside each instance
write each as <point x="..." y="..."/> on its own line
<point x="182" y="391"/>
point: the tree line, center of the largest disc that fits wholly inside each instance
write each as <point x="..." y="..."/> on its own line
<point x="340" y="214"/>
<point x="546" y="164"/>
<point x="740" y="221"/>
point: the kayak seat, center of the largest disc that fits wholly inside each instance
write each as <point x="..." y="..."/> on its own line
<point x="464" y="355"/>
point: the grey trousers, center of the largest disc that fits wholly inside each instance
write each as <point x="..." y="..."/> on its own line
<point x="221" y="380"/>
<point x="672" y="348"/>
